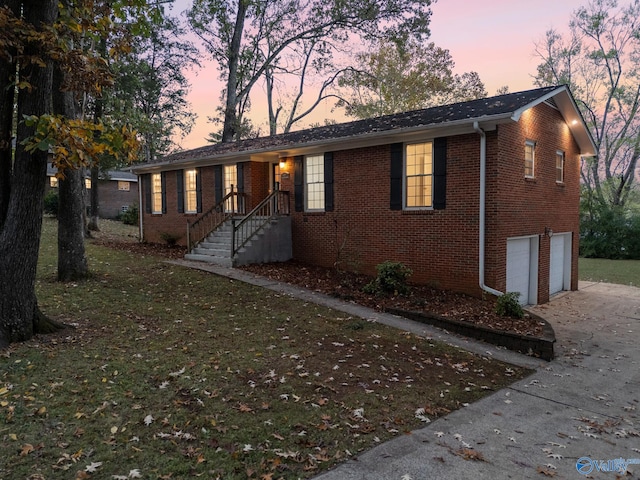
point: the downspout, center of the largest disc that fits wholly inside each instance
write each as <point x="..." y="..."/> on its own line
<point x="481" y="233"/>
<point x="140" y="211"/>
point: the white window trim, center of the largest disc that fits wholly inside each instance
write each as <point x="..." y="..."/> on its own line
<point x="307" y="183"/>
<point x="187" y="173"/>
<point x="405" y="177"/>
<point x="155" y="203"/>
<point x="532" y="144"/>
<point x="560" y="153"/>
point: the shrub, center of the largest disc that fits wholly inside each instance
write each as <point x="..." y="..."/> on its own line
<point x="392" y="278"/>
<point x="51" y="203"/>
<point x="507" y="305"/>
<point x="130" y="217"/>
<point x="170" y="238"/>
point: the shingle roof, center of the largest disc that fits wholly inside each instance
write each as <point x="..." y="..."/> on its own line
<point x="501" y="105"/>
<point x="110" y="175"/>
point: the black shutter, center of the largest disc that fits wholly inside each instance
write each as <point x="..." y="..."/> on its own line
<point x="328" y="181"/>
<point x="240" y="177"/>
<point x="439" y="173"/>
<point x="163" y="186"/>
<point x="146" y="184"/>
<point x="397" y="161"/>
<point x="217" y="173"/>
<point x="198" y="191"/>
<point x="180" y="185"/>
<point x="298" y="184"/>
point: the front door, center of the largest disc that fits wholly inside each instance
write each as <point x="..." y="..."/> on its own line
<point x="275" y="177"/>
<point x="231" y="182"/>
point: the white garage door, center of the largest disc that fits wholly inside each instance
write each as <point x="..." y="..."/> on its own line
<point x="560" y="263"/>
<point x="522" y="268"/>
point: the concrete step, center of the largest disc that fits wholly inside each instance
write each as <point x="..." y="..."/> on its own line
<point x="225" y="262"/>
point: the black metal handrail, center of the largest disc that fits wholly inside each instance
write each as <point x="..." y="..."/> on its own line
<point x="276" y="203"/>
<point x="231" y="204"/>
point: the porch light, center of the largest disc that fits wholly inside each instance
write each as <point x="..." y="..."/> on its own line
<point x="548" y="232"/>
<point x="282" y="164"/>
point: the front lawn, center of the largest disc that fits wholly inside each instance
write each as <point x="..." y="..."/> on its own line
<point x="623" y="272"/>
<point x="175" y="373"/>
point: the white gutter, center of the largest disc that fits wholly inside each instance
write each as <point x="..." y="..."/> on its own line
<point x="140" y="223"/>
<point x="483" y="170"/>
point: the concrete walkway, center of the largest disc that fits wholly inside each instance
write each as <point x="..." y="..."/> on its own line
<point x="582" y="408"/>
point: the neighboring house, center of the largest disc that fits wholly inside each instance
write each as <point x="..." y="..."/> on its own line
<point x="473" y="196"/>
<point x="117" y="190"/>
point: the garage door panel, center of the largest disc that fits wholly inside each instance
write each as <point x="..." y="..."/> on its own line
<point x="559" y="263"/>
<point x="518" y="267"/>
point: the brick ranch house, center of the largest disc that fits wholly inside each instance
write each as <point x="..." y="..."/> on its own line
<point x="118" y="190"/>
<point x="473" y="196"/>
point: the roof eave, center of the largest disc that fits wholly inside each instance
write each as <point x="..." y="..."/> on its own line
<point x="457" y="127"/>
<point x="571" y="114"/>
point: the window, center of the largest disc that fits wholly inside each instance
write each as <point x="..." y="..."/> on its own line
<point x="53" y="182"/>
<point x="156" y="193"/>
<point x="559" y="166"/>
<point x="87" y="183"/>
<point x="529" y="158"/>
<point x="314" y="182"/>
<point x="419" y="175"/>
<point x="123" y="186"/>
<point x="190" y="191"/>
<point x="124" y="208"/>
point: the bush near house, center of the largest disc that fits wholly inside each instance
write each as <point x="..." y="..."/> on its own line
<point x="51" y="203"/>
<point x="131" y="216"/>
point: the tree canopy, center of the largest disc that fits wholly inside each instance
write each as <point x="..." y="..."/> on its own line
<point x="394" y="78"/>
<point x="249" y="39"/>
<point x="599" y="60"/>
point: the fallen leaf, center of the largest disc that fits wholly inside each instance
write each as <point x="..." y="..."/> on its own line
<point x="93" y="467"/>
<point x="470" y="454"/>
<point x="546" y="472"/>
<point x="26" y="449"/>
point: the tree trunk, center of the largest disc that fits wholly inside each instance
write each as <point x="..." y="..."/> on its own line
<point x="72" y="263"/>
<point x="230" y="127"/>
<point x="94" y="215"/>
<point x="7" y="98"/>
<point x="20" y="235"/>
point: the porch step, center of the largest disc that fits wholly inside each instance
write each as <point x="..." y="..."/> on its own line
<point x="270" y="243"/>
<point x="225" y="262"/>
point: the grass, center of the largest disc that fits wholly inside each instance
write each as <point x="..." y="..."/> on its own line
<point x="622" y="272"/>
<point x="175" y="373"/>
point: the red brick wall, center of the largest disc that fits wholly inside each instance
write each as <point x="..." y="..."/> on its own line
<point x="111" y="200"/>
<point x="527" y="206"/>
<point x="256" y="185"/>
<point x="440" y="246"/>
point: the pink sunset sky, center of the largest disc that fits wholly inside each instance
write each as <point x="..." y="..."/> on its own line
<point x="495" y="38"/>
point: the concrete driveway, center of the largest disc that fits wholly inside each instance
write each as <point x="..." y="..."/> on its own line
<point x="580" y="410"/>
